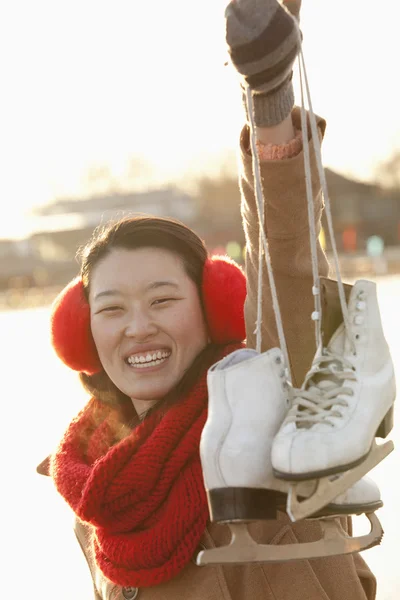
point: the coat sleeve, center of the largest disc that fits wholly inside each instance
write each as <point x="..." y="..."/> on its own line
<point x="286" y="226"/>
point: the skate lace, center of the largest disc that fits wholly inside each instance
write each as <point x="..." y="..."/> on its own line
<point x="309" y="395"/>
<point x="323" y="393"/>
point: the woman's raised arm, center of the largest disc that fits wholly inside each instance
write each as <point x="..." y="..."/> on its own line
<point x="286" y="225"/>
<point x="263" y="40"/>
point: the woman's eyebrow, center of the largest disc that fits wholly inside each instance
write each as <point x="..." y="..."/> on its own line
<point x="157" y="284"/>
<point x="152" y="286"/>
<point x="107" y="293"/>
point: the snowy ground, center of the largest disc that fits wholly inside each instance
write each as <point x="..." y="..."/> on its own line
<point x="41" y="556"/>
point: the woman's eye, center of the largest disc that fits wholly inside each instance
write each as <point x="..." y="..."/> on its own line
<point x="110" y="309"/>
<point x="162" y="300"/>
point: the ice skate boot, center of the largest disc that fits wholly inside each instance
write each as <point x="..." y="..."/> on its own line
<point x="345" y="402"/>
<point x="248" y="400"/>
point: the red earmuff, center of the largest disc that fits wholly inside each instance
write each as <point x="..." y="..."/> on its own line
<point x="70" y="331"/>
<point x="224" y="293"/>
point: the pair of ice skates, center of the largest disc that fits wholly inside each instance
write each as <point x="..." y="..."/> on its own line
<point x="268" y="447"/>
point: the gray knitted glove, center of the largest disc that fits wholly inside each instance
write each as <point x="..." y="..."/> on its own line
<point x="263" y="41"/>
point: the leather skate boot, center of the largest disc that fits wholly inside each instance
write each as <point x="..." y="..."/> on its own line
<point x="248" y="401"/>
<point x="347" y="396"/>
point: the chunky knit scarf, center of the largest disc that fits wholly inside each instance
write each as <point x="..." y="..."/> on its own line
<point x="144" y="496"/>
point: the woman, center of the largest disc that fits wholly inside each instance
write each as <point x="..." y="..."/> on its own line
<point x="149" y="315"/>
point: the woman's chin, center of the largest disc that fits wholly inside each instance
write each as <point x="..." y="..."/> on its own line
<point x="148" y="393"/>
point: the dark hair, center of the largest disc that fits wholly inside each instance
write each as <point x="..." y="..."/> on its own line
<point x="145" y="231"/>
<point x="138" y="232"/>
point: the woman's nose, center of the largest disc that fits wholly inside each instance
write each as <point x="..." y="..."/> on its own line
<point x="140" y="326"/>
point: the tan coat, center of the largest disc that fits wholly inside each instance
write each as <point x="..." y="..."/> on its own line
<point x="334" y="578"/>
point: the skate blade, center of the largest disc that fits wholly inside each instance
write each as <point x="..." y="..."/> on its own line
<point x="330" y="487"/>
<point x="334" y="541"/>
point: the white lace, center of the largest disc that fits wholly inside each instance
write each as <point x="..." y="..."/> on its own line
<point x="311" y="396"/>
<point x="323" y="392"/>
<point x="305" y="92"/>
<point x="264" y="247"/>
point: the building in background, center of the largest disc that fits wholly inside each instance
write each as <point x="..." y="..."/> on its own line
<point x="361" y="213"/>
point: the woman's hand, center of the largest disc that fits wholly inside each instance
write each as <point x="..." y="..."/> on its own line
<point x="263" y="41"/>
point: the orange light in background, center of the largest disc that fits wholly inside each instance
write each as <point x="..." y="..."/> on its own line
<point x="349" y="238"/>
<point x="218" y="251"/>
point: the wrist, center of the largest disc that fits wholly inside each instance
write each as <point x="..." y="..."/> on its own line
<point x="279" y="134"/>
<point x="284" y="151"/>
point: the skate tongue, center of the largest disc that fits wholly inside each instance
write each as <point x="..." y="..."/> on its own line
<point x="317" y="385"/>
<point x="302" y="410"/>
<point x="337" y="342"/>
<point x="326" y="381"/>
<point x="325" y="385"/>
<point x="236" y="357"/>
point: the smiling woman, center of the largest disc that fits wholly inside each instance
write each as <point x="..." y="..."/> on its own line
<point x="144" y="322"/>
<point x="147" y="331"/>
<point x="154" y="313"/>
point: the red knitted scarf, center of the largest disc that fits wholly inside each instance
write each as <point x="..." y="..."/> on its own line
<point x="144" y="496"/>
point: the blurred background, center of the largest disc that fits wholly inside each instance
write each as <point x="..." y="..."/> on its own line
<point x="114" y="108"/>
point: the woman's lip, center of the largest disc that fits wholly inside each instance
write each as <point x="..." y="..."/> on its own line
<point x="146" y="351"/>
<point x="148" y="369"/>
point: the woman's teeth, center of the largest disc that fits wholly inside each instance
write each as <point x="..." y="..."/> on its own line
<point x="152" y="359"/>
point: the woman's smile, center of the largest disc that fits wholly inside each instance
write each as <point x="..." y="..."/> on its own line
<point x="149" y="359"/>
<point x="147" y="320"/>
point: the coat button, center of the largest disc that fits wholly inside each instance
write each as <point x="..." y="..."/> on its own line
<point x="130" y="593"/>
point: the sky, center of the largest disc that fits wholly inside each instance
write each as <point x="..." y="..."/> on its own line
<point x="139" y="91"/>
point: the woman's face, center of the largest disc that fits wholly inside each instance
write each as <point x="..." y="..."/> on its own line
<point x="146" y="320"/>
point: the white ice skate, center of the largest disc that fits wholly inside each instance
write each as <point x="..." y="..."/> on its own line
<point x="233" y="480"/>
<point x="345" y="402"/>
<point x="248" y="400"/>
<point x="347" y="397"/>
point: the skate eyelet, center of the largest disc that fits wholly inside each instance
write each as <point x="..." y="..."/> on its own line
<point x="357" y="336"/>
<point x="358" y="320"/>
<point x="361" y="305"/>
<point x="278" y="360"/>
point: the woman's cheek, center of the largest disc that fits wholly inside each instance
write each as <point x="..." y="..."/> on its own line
<point x="182" y="319"/>
<point x="103" y="332"/>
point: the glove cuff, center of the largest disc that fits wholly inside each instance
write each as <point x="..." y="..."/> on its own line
<point x="271" y="109"/>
